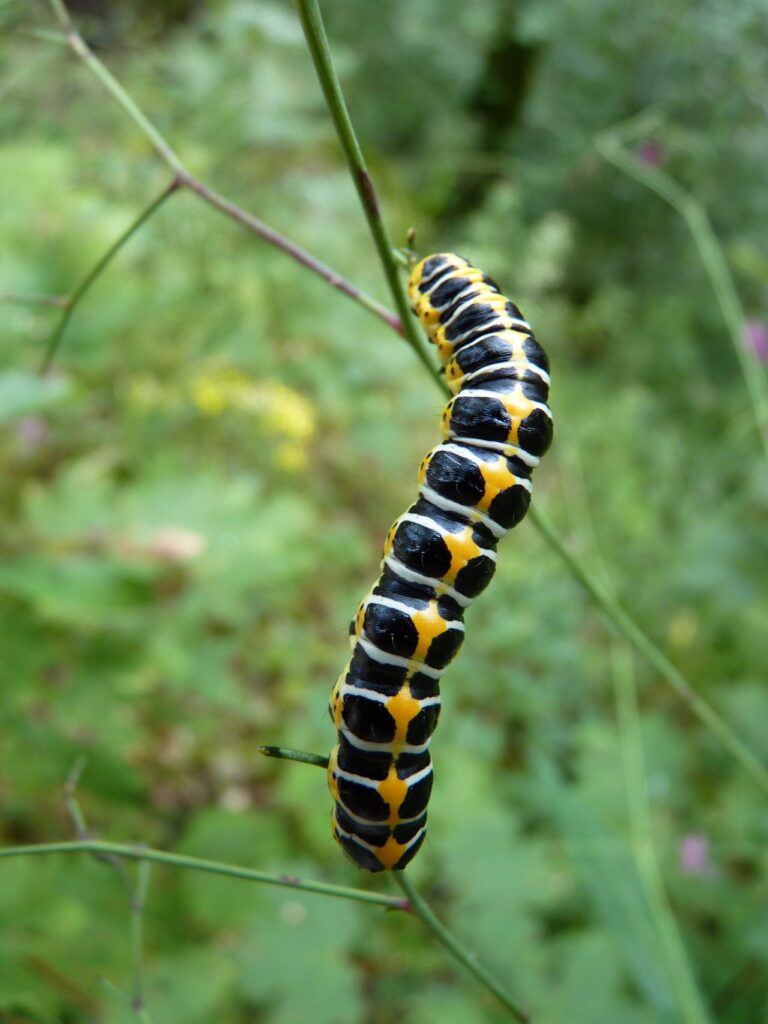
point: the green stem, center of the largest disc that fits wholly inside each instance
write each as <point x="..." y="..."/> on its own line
<point x="317" y="41"/>
<point x="692" y="1008"/>
<point x="113" y="87"/>
<point x="70" y="798"/>
<point x="710" y="250"/>
<point x="97" y="270"/>
<point x="212" y="867"/>
<point x="289" y="754"/>
<point x="423" y="911"/>
<point x="78" y="820"/>
<point x="655" y="657"/>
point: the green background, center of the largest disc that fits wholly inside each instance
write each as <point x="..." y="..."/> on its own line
<point x="193" y="504"/>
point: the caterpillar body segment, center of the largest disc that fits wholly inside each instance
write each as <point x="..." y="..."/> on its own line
<point x="438" y="556"/>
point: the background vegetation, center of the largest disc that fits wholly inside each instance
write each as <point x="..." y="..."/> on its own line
<point x="194" y="502"/>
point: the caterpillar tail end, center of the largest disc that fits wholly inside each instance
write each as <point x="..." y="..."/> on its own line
<point x="390" y="856"/>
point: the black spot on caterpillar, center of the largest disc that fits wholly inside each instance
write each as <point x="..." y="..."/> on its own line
<point x="438" y="556"/>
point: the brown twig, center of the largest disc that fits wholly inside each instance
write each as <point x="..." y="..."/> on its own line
<point x="272" y="237"/>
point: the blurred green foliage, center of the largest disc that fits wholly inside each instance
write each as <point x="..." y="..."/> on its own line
<point x="193" y="504"/>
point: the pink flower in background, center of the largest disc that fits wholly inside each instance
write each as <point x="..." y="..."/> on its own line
<point x="695" y="856"/>
<point x="756" y="338"/>
<point x="650" y="152"/>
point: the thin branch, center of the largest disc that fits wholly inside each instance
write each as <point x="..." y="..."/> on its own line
<point x="78" y="819"/>
<point x="268" y="234"/>
<point x="184" y="178"/>
<point x="423" y="911"/>
<point x="695" y="215"/>
<point x="113" y="87"/>
<point x="288" y="754"/>
<point x="70" y="800"/>
<point x="692" y="1008"/>
<point x="97" y="270"/>
<point x="629" y="629"/>
<point x="212" y="867"/>
<point x="314" y="31"/>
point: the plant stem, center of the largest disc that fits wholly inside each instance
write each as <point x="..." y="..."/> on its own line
<point x="113" y="87"/>
<point x="317" y="41"/>
<point x="288" y="754"/>
<point x="423" y="911"/>
<point x="96" y="271"/>
<point x="184" y="178"/>
<point x="268" y="234"/>
<point x="79" y="823"/>
<point x="692" y="1008"/>
<point x="628" y="628"/>
<point x="710" y="250"/>
<point x="212" y="867"/>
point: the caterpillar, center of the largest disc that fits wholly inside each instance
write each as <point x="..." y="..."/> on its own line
<point x="438" y="556"/>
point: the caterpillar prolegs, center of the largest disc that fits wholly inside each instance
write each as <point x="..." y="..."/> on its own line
<point x="438" y="556"/>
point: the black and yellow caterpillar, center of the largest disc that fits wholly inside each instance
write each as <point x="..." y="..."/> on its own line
<point x="438" y="557"/>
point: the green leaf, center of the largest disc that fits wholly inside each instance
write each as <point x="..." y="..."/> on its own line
<point x="609" y="875"/>
<point x="191" y="985"/>
<point x="297" y="959"/>
<point x="254" y="838"/>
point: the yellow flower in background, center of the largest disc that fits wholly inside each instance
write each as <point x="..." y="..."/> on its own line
<point x="218" y="389"/>
<point x="279" y="410"/>
<point x="287" y="412"/>
<point x="208" y="397"/>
